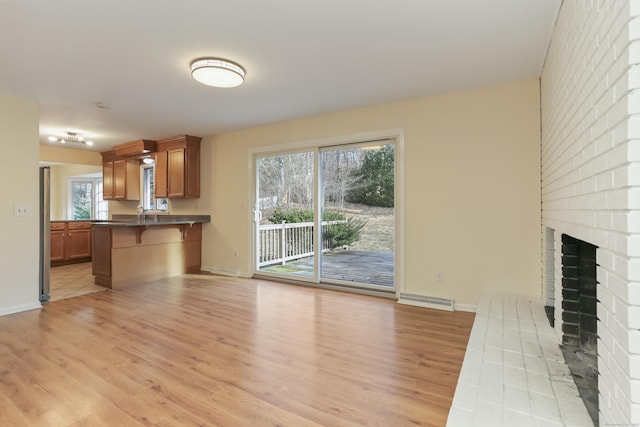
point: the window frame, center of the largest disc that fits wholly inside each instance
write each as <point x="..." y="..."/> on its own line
<point x="157" y="201"/>
<point x="96" y="198"/>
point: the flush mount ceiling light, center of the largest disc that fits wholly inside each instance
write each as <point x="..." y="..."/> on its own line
<point x="71" y="137"/>
<point x="217" y="72"/>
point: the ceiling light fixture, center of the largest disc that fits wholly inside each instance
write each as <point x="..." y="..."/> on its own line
<point x="217" y="72"/>
<point x="71" y="137"/>
<point x="147" y="160"/>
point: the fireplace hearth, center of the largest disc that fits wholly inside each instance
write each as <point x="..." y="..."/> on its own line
<point x="579" y="318"/>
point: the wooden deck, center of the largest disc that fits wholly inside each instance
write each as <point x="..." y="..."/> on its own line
<point x="375" y="268"/>
<point x="203" y="350"/>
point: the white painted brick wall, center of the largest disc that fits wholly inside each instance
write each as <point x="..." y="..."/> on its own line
<point x="591" y="178"/>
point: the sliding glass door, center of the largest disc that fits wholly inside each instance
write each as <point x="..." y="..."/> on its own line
<point x="285" y="218"/>
<point x="348" y="239"/>
<point x="358" y="215"/>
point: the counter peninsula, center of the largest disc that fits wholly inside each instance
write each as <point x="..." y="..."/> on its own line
<point x="129" y="250"/>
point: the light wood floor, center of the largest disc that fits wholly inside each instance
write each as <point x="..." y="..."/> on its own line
<point x="68" y="281"/>
<point x="202" y="350"/>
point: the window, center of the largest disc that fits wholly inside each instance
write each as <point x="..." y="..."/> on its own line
<point x="85" y="199"/>
<point x="149" y="202"/>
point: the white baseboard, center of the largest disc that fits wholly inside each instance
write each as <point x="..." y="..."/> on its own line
<point x="465" y="307"/>
<point x="423" y="304"/>
<point x="226" y="272"/>
<point x="19" y="308"/>
<point x="456" y="307"/>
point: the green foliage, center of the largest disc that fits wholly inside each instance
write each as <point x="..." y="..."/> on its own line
<point x="375" y="179"/>
<point x="344" y="234"/>
<point x="337" y="235"/>
<point x="291" y="215"/>
<point x="82" y="210"/>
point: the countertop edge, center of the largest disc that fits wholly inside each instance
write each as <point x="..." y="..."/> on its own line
<point x="133" y="221"/>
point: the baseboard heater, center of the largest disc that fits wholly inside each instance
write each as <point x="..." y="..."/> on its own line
<point x="426" y="301"/>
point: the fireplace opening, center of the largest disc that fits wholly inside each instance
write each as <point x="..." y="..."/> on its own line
<point x="579" y="318"/>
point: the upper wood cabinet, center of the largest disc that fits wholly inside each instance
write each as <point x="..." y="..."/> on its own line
<point x="120" y="177"/>
<point x="177" y="170"/>
<point x="107" y="180"/>
<point x="160" y="174"/>
<point x="126" y="179"/>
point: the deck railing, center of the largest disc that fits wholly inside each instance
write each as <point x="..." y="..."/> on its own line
<point x="279" y="243"/>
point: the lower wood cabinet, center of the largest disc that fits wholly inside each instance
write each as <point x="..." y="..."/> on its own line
<point x="70" y="241"/>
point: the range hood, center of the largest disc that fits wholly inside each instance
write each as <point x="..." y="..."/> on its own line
<point x="136" y="148"/>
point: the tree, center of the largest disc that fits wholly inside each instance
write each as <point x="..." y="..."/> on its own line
<point x="374" y="184"/>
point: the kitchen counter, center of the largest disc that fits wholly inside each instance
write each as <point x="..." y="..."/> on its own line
<point x="152" y="220"/>
<point x="128" y="251"/>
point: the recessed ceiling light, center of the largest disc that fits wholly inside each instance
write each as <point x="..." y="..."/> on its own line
<point x="217" y="72"/>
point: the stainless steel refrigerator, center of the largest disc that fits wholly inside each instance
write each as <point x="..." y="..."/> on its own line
<point x="45" y="235"/>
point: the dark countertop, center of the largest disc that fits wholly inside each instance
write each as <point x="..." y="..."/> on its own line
<point x="133" y="221"/>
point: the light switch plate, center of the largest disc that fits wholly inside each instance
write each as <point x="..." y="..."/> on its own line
<point x="21" y="210"/>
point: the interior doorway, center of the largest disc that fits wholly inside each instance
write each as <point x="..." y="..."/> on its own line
<point x="327" y="215"/>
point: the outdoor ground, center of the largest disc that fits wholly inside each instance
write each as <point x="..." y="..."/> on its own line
<point x="378" y="234"/>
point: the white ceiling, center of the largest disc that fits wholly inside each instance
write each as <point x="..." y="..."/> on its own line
<point x="302" y="58"/>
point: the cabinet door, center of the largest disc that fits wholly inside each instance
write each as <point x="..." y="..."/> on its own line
<point x="120" y="179"/>
<point x="160" y="175"/>
<point x="57" y="245"/>
<point x="107" y="180"/>
<point x="79" y="243"/>
<point x="192" y="172"/>
<point x="175" y="173"/>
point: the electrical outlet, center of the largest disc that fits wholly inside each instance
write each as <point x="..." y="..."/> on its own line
<point x="21" y="210"/>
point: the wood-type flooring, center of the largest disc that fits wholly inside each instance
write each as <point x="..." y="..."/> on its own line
<point x="204" y="350"/>
<point x="72" y="280"/>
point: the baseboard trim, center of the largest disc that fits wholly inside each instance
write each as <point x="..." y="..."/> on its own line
<point x="465" y="307"/>
<point x="19" y="308"/>
<point x="423" y="304"/>
<point x="226" y="272"/>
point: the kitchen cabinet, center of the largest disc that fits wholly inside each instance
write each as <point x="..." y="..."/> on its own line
<point x="78" y="240"/>
<point x="107" y="180"/>
<point x="177" y="169"/>
<point x="120" y="177"/>
<point x="70" y="241"/>
<point x="126" y="179"/>
<point x="57" y="238"/>
<point x="160" y="175"/>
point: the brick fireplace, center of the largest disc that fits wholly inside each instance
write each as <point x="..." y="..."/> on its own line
<point x="579" y="318"/>
<point x="590" y="183"/>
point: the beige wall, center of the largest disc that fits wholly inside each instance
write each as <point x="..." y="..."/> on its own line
<point x="19" y="245"/>
<point x="65" y="163"/>
<point x="472" y="190"/>
<point x="60" y="175"/>
<point x="68" y="155"/>
<point x="472" y="174"/>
